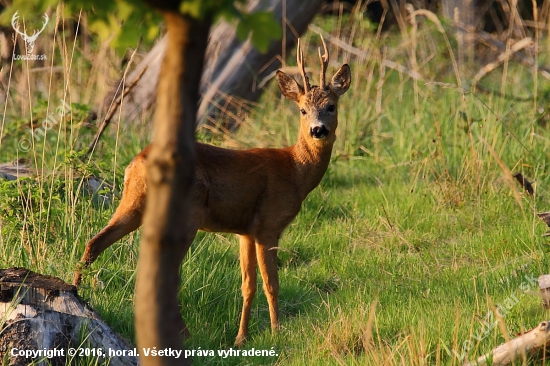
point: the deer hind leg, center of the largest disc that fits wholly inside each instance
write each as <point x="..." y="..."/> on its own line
<point x="247" y="254"/>
<point x="266" y="253"/>
<point x="124" y="221"/>
<point x="126" y="218"/>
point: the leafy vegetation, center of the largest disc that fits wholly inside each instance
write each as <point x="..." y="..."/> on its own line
<point x="116" y="21"/>
<point x="414" y="239"/>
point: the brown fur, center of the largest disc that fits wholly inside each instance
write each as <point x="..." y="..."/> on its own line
<point x="253" y="193"/>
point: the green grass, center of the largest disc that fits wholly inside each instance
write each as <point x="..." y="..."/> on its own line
<point x="400" y="255"/>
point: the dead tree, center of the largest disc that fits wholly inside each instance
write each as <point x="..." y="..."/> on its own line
<point x="233" y="68"/>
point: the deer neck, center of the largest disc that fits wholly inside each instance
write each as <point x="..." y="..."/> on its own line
<point x="311" y="158"/>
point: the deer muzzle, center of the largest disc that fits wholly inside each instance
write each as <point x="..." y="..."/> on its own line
<point x="318" y="132"/>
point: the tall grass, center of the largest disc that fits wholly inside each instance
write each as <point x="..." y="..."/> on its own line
<point x="413" y="238"/>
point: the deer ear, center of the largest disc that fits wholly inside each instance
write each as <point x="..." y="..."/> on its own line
<point x="341" y="80"/>
<point x="289" y="87"/>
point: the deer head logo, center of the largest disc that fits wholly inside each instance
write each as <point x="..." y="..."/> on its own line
<point x="29" y="40"/>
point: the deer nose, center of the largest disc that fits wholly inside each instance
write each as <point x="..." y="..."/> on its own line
<point x="318" y="132"/>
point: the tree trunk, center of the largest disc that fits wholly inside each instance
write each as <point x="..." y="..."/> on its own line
<point x="170" y="168"/>
<point x="233" y="69"/>
<point x="42" y="312"/>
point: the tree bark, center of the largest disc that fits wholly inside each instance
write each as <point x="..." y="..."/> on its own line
<point x="233" y="69"/>
<point x="170" y="169"/>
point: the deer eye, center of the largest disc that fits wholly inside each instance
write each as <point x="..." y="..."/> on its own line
<point x="303" y="111"/>
<point x="331" y="108"/>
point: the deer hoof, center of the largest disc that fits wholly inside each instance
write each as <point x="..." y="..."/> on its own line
<point x="240" y="341"/>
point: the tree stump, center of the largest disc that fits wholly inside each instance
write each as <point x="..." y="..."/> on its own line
<point x="43" y="313"/>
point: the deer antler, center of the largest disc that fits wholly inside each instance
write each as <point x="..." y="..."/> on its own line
<point x="15" y="24"/>
<point x="47" y="19"/>
<point x="29" y="40"/>
<point x="324" y="64"/>
<point x="301" y="66"/>
<point x="35" y="33"/>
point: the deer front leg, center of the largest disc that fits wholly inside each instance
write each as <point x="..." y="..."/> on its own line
<point x="266" y="253"/>
<point x="247" y="255"/>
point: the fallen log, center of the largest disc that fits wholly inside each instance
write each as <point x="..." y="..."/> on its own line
<point x="531" y="341"/>
<point x="98" y="189"/>
<point x="45" y="315"/>
<point x="16" y="169"/>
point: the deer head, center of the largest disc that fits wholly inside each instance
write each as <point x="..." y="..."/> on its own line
<point x="318" y="104"/>
<point x="29" y="40"/>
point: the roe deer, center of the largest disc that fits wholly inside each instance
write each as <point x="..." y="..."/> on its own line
<point x="253" y="193"/>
